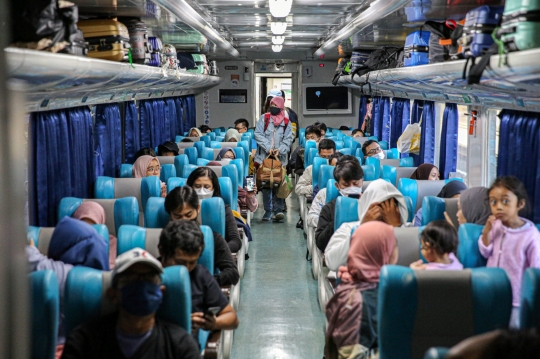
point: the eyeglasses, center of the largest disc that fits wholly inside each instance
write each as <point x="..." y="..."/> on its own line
<point x="374" y="151"/>
<point x="228" y="158"/>
<point x="152" y="169"/>
<point x="238" y="129"/>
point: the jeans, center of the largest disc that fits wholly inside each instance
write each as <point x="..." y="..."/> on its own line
<point x="271" y="201"/>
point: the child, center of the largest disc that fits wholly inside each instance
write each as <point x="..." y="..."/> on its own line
<point x="439" y="242"/>
<point x="509" y="241"/>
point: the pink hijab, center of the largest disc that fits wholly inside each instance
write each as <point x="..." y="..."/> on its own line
<point x="279" y="102"/>
<point x="92" y="211"/>
<point x="140" y="166"/>
<point x="372" y="245"/>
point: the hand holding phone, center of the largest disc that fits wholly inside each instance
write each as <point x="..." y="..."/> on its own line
<point x="249" y="183"/>
<point x="213" y="311"/>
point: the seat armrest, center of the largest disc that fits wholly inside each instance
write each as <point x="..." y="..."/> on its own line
<point x="211" y="351"/>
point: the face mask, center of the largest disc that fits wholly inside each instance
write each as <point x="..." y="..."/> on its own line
<point x="353" y="192"/>
<point x="379" y="155"/>
<point x="275" y="111"/>
<point x="204" y="193"/>
<point x="141" y="298"/>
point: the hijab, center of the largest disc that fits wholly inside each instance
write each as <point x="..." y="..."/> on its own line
<point x="422" y="172"/>
<point x="196" y="130"/>
<point x="474" y="205"/>
<point x="92" y="211"/>
<point x="78" y="243"/>
<point x="232" y="133"/>
<point x="222" y="153"/>
<point x="214" y="163"/>
<point x="379" y="191"/>
<point x="140" y="166"/>
<point x="280" y="103"/>
<point x="452" y="188"/>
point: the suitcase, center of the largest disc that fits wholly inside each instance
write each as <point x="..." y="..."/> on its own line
<point x="138" y="39"/>
<point x="107" y="39"/>
<point x="416" y="50"/>
<point x="520" y="25"/>
<point x="358" y="59"/>
<point x="78" y="45"/>
<point x="417" y="10"/>
<point x="185" y="61"/>
<point x="200" y="62"/>
<point x="478" y="30"/>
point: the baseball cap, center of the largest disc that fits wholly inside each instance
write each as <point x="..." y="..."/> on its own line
<point x="135" y="255"/>
<point x="274" y="93"/>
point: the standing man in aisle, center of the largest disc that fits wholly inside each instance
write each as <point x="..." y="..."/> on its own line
<point x="273" y="134"/>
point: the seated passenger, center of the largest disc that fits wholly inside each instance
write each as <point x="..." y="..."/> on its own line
<point x="358" y="133"/>
<point x="146" y="166"/>
<point x="371" y="148"/>
<point x="226" y="153"/>
<point x="183" y="203"/>
<point x="344" y="128"/>
<point x="241" y="125"/>
<point x="298" y="155"/>
<point x="206" y="184"/>
<point x="73" y="243"/>
<point x="349" y="178"/>
<point x="321" y="127"/>
<point x="352" y="311"/>
<point x="381" y="202"/>
<point x="182" y="243"/>
<point x="439" y="243"/>
<point x="305" y="182"/>
<point x="132" y="331"/>
<point x="472" y="207"/>
<point x="145" y="151"/>
<point x="426" y="171"/>
<point x="452" y="189"/>
<point x="93" y="213"/>
<point x="195" y="132"/>
<point x="232" y="136"/>
<point x="168" y="148"/>
<point x="189" y="140"/>
<point x="205" y="129"/>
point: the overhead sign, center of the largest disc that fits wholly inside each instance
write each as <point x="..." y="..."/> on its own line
<point x="231" y="67"/>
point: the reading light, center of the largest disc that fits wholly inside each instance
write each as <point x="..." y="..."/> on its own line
<point x="278" y="40"/>
<point x="277" y="48"/>
<point x="278" y="28"/>
<point x="280" y="8"/>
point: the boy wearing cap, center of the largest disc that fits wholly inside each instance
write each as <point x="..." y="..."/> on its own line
<point x="133" y="331"/>
<point x="168" y="148"/>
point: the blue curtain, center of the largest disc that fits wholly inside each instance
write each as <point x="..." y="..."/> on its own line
<point x="362" y="110"/>
<point x="449" y="140"/>
<point x="400" y="118"/>
<point x="181" y="127"/>
<point x="381" y="118"/>
<point x="171" y="122"/>
<point x="191" y="111"/>
<point x="131" y="133"/>
<point x="108" y="140"/>
<point x="513" y="160"/>
<point x="427" y="137"/>
<point x="416" y="114"/>
<point x="62" y="160"/>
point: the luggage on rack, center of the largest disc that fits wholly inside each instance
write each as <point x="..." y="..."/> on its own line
<point x="185" y="61"/>
<point x="416" y="10"/>
<point x="416" y="50"/>
<point x="388" y="57"/>
<point x="78" y="45"/>
<point x="521" y="25"/>
<point x="200" y="62"/>
<point x="478" y="30"/>
<point x="443" y="41"/>
<point x="138" y="39"/>
<point x="157" y="46"/>
<point x="108" y="39"/>
<point x="358" y="59"/>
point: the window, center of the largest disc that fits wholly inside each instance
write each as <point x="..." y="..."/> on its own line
<point x="463" y="137"/>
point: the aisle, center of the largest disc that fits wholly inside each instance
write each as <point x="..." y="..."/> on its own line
<point x="279" y="312"/>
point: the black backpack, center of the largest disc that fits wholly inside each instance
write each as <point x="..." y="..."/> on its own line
<point x="388" y="57"/>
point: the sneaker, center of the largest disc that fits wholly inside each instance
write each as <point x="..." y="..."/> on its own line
<point x="300" y="224"/>
<point x="267" y="216"/>
<point x="278" y="216"/>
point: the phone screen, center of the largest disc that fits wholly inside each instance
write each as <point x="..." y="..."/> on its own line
<point x="213" y="310"/>
<point x="250" y="182"/>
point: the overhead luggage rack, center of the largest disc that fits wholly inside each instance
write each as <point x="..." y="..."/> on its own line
<point x="62" y="81"/>
<point x="515" y="85"/>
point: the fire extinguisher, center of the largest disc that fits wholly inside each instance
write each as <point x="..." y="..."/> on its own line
<point x="472" y="122"/>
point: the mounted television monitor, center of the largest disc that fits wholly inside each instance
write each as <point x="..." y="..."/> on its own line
<point x="326" y="99"/>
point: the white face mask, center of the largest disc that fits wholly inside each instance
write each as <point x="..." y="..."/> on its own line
<point x="353" y="190"/>
<point x="379" y="155"/>
<point x="204" y="193"/>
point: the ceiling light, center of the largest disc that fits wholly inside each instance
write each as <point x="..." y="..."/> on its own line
<point x="280" y="8"/>
<point x="277" y="48"/>
<point x="278" y="28"/>
<point x="278" y="40"/>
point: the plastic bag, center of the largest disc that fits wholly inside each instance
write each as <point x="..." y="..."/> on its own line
<point x="409" y="141"/>
<point x="285" y="188"/>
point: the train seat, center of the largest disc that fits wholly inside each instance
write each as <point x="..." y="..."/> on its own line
<point x="393" y="174"/>
<point x="236" y="146"/>
<point x="45" y="310"/>
<point x="418" y="189"/>
<point x="438" y="308"/>
<point x="433" y="208"/>
<point x="530" y="299"/>
<point x="468" y="252"/>
<point x="378" y="164"/>
<point x="318" y="163"/>
<point x="118" y="211"/>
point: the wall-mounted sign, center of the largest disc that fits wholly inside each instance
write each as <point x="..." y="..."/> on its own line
<point x="231" y="67"/>
<point x="235" y="79"/>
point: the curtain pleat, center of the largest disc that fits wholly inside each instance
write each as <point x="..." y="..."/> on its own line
<point x="381" y="118"/>
<point x="427" y="137"/>
<point x="362" y="110"/>
<point x="131" y="133"/>
<point x="449" y="141"/>
<point x="108" y="140"/>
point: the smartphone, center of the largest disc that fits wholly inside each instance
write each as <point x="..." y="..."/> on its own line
<point x="212" y="311"/>
<point x="250" y="183"/>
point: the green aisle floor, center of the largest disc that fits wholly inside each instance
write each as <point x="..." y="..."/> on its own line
<point x="279" y="312"/>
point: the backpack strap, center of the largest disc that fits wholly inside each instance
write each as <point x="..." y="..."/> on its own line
<point x="267" y="122"/>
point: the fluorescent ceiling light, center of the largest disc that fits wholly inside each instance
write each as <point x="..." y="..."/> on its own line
<point x="278" y="40"/>
<point x="278" y="28"/>
<point x="277" y="48"/>
<point x="280" y="8"/>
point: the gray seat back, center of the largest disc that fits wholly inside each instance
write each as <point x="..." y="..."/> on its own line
<point x="404" y="172"/>
<point x="427" y="188"/>
<point x="408" y="242"/>
<point x="218" y="170"/>
<point x="108" y="206"/>
<point x="165" y="160"/>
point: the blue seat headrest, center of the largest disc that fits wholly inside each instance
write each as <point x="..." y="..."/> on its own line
<point x="326" y="172"/>
<point x="530" y="299"/>
<point x="44" y="313"/>
<point x="346" y="211"/>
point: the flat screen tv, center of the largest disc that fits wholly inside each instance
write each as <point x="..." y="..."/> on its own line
<point x="326" y="99"/>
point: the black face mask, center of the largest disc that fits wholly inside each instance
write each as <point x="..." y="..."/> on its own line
<point x="275" y="111"/>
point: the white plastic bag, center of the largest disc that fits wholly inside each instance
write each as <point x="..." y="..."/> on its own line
<point x="409" y="141"/>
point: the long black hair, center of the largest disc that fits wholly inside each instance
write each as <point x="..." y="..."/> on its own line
<point x="205" y="172"/>
<point x="179" y="197"/>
